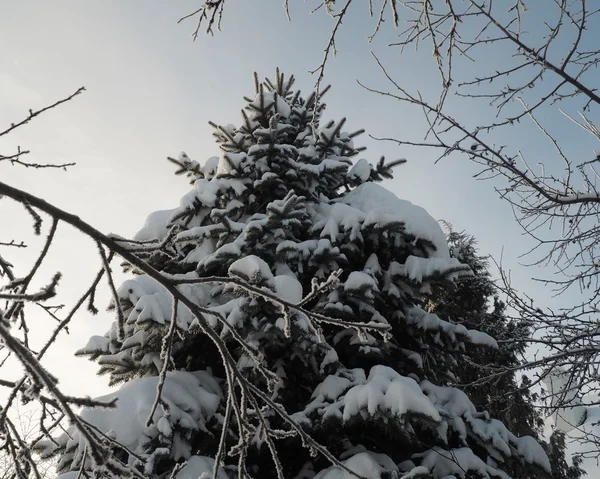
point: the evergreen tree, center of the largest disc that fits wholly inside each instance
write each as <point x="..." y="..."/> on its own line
<point x="561" y="469"/>
<point x="474" y="303"/>
<point x="485" y="374"/>
<point x="305" y="352"/>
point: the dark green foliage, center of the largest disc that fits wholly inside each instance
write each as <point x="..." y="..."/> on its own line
<point x="486" y="373"/>
<point x="560" y="467"/>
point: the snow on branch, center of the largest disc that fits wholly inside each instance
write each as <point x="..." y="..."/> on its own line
<point x="93" y="443"/>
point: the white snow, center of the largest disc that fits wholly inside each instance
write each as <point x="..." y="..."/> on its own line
<point x="355" y="394"/>
<point x="416" y="473"/>
<point x="152" y="302"/>
<point x="364" y="464"/>
<point x="451" y="400"/>
<point x="381" y="206"/>
<point x="207" y="191"/>
<point x="144" y="300"/>
<point x="253" y="269"/>
<point x="372" y="265"/>
<point x="197" y="234"/>
<point x="200" y="467"/>
<point x="204" y="249"/>
<point x="482" y="339"/>
<point x="332" y="387"/>
<point x="223" y="166"/>
<point x="359" y="282"/>
<point x="457" y="462"/>
<point x="345" y="217"/>
<point x="387" y="390"/>
<point x="531" y="451"/>
<point x="306" y="249"/>
<point x="225" y="184"/>
<point x="156" y="226"/>
<point x="558" y="385"/>
<point x="191" y="398"/>
<point x="330" y="357"/>
<point x="210" y="166"/>
<point x="454" y="403"/>
<point x="95" y="344"/>
<point x="431" y="322"/>
<point x="371" y="205"/>
<point x="288" y="288"/>
<point x="274" y="101"/>
<point x="419" y="269"/>
<point x="361" y="170"/>
<point x="336" y="163"/>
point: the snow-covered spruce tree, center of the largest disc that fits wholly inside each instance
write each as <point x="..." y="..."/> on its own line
<point x="485" y="374"/>
<point x="293" y="346"/>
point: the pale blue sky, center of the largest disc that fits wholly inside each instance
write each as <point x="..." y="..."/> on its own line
<point x="151" y="92"/>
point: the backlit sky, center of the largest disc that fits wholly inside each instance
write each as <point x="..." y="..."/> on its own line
<point x="151" y="92"/>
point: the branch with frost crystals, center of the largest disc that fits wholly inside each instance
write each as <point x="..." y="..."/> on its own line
<point x="211" y="13"/>
<point x="113" y="290"/>
<point x="20" y="452"/>
<point x="538" y="197"/>
<point x="235" y="379"/>
<point x="38" y="374"/>
<point x="149" y="246"/>
<point x="219" y="457"/>
<point x="381" y="328"/>
<point x="110" y="439"/>
<point x="63" y="324"/>
<point x="307" y="440"/>
<point x="165" y="355"/>
<point x="15" y="158"/>
<point x="535" y="75"/>
<point x="47" y="292"/>
<point x="21" y="284"/>
<point x="44" y="400"/>
<point x="317" y="287"/>
<point x="330" y="49"/>
<point x="37" y="378"/>
<point x="34" y="113"/>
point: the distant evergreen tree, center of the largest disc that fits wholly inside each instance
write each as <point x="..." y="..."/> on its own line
<point x="561" y="469"/>
<point x="307" y="277"/>
<point x="474" y="303"/>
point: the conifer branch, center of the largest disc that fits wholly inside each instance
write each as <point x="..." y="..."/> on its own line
<point x="35" y="368"/>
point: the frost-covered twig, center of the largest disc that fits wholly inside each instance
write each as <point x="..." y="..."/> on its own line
<point x="34" y="113"/>
<point x="113" y="290"/>
<point x="211" y="12"/>
<point x="165" y="355"/>
<point x="234" y="377"/>
<point x="15" y="158"/>
<point x="382" y="328"/>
